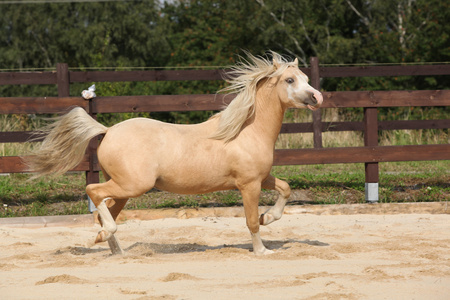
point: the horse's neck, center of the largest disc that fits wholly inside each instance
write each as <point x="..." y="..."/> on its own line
<point x="269" y="114"/>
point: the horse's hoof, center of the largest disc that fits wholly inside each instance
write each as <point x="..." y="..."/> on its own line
<point x="265" y="251"/>
<point x="102" y="236"/>
<point x="266" y="219"/>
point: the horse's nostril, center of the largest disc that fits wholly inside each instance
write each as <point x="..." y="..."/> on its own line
<point x="313" y="99"/>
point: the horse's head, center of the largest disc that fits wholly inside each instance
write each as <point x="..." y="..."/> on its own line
<point x="294" y="90"/>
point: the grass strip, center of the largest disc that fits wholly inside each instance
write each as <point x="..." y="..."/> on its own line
<point x="315" y="184"/>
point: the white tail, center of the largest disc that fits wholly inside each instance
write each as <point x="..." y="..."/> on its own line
<point x="65" y="144"/>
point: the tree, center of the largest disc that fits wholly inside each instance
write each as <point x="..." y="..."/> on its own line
<point x="355" y="31"/>
<point x="82" y="34"/>
<point x="210" y="32"/>
<point x="304" y="28"/>
<point x="404" y="30"/>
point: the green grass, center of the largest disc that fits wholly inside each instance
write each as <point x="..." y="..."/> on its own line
<point x="45" y="196"/>
<point x="344" y="183"/>
<point x="311" y="184"/>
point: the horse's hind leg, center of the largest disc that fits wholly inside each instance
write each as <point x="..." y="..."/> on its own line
<point x="114" y="207"/>
<point x="275" y="212"/>
<point x="103" y="194"/>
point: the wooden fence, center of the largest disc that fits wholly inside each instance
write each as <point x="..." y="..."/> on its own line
<point x="371" y="154"/>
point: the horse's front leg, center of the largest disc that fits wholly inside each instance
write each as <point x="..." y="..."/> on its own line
<point x="250" y="197"/>
<point x="274" y="213"/>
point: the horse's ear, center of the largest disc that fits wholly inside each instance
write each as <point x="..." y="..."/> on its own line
<point x="296" y="61"/>
<point x="275" y="64"/>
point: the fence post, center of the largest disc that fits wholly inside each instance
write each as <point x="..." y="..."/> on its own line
<point x="63" y="80"/>
<point x="371" y="140"/>
<point x="317" y="116"/>
<point x="92" y="176"/>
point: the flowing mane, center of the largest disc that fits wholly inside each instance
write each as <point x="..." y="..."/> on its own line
<point x="243" y="79"/>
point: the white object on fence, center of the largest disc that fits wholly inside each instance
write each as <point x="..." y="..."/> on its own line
<point x="89" y="93"/>
<point x="92" y="207"/>
<point x="372" y="192"/>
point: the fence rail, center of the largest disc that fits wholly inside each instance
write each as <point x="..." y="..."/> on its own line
<point x="371" y="154"/>
<point x="15" y="78"/>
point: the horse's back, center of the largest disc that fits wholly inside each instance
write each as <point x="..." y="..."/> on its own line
<point x="179" y="158"/>
<point x="143" y="137"/>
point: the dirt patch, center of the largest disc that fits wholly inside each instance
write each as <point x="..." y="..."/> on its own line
<point x="68" y="279"/>
<point x="178" y="276"/>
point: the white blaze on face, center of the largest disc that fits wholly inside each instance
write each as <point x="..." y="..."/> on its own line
<point x="298" y="89"/>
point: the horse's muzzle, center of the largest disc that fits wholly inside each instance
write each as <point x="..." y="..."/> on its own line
<point x="316" y="99"/>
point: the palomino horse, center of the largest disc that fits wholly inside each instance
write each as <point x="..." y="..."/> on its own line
<point x="233" y="149"/>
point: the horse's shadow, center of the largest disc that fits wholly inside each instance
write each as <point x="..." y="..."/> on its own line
<point x="141" y="248"/>
<point x="156" y="248"/>
<point x="194" y="247"/>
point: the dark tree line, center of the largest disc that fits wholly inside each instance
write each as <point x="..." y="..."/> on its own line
<point x="202" y="33"/>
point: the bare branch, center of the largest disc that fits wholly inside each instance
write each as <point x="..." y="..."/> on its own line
<point x="313" y="47"/>
<point x="44" y="51"/>
<point x="298" y="48"/>
<point x="274" y="17"/>
<point x="302" y="59"/>
<point x="401" y="28"/>
<point x="365" y="20"/>
<point x="327" y="24"/>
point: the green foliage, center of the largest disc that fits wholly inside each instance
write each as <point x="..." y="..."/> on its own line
<point x="82" y="34"/>
<point x="212" y="33"/>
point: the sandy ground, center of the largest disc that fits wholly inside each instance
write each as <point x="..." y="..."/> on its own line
<point x="357" y="256"/>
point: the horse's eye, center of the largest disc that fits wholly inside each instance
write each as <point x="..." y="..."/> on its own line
<point x="290" y="80"/>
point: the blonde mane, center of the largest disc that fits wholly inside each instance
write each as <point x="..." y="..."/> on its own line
<point x="243" y="79"/>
